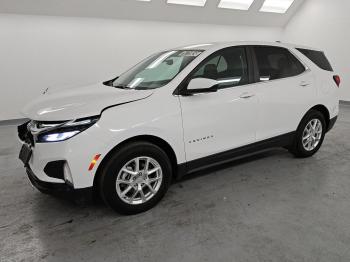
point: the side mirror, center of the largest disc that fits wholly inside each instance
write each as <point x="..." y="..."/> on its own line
<point x="202" y="85"/>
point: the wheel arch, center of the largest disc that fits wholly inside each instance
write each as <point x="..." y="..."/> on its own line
<point x="164" y="145"/>
<point x="325" y="112"/>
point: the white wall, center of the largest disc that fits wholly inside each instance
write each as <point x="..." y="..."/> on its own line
<point x="37" y="52"/>
<point x="325" y="24"/>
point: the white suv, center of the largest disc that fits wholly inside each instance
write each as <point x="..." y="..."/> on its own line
<point x="176" y="112"/>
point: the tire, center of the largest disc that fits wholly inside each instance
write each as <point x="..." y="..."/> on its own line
<point x="126" y="197"/>
<point x="302" y="148"/>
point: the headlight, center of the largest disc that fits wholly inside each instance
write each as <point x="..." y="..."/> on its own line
<point x="60" y="131"/>
<point x="55" y="137"/>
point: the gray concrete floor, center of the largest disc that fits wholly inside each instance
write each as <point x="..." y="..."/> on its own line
<point x="271" y="207"/>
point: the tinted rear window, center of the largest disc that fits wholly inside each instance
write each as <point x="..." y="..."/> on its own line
<point x="318" y="57"/>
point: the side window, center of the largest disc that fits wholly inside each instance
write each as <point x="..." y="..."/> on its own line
<point x="276" y="63"/>
<point x="228" y="67"/>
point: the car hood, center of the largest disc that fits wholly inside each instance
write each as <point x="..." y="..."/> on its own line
<point x="80" y="102"/>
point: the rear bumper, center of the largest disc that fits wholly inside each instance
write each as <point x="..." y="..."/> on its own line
<point x="59" y="189"/>
<point x="332" y="123"/>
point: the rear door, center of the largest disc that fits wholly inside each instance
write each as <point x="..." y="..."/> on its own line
<point x="284" y="88"/>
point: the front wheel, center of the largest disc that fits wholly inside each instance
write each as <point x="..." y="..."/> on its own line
<point x="135" y="178"/>
<point x="310" y="135"/>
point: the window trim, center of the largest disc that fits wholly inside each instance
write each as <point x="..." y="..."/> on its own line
<point x="182" y="87"/>
<point x="256" y="67"/>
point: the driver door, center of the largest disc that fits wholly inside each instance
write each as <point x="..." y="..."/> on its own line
<point x="217" y="122"/>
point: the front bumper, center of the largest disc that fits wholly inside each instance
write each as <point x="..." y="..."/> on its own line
<point x="65" y="162"/>
<point x="60" y="189"/>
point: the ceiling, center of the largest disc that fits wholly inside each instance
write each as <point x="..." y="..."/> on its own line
<point x="157" y="10"/>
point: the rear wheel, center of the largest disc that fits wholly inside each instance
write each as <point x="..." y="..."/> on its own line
<point x="310" y="135"/>
<point x="135" y="178"/>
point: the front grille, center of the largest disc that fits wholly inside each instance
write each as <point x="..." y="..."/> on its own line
<point x="24" y="134"/>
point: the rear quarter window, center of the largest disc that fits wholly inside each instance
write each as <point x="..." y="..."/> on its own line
<point x="318" y="57"/>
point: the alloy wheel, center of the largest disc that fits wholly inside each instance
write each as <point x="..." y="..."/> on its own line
<point x="139" y="180"/>
<point x="312" y="134"/>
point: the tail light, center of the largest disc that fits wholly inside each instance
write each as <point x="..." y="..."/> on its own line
<point x="337" y="80"/>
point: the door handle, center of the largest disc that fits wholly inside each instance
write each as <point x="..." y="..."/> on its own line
<point x="246" y="95"/>
<point x="303" y="84"/>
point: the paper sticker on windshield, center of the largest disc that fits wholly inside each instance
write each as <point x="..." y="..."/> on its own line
<point x="190" y="53"/>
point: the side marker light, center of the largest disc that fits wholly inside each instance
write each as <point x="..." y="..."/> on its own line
<point x="94" y="161"/>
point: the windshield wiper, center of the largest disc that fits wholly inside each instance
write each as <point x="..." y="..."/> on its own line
<point x="122" y="87"/>
<point x="144" y="88"/>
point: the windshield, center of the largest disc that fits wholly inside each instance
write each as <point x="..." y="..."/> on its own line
<point x="157" y="70"/>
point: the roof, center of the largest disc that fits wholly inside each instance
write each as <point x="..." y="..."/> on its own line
<point x="219" y="45"/>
